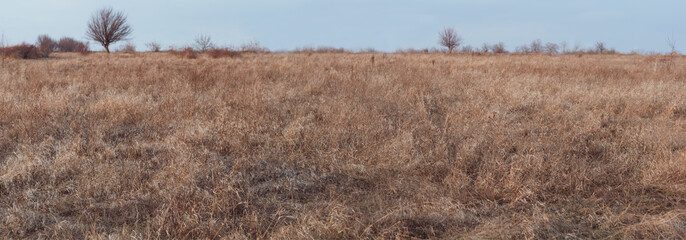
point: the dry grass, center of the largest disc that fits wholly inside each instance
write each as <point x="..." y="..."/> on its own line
<point x="333" y="146"/>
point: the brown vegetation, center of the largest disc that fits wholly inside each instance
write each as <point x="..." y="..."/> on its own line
<point x="21" y="51"/>
<point x="331" y="146"/>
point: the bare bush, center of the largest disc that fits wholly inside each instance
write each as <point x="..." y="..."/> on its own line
<point x="128" y="48"/>
<point x="536" y="46"/>
<point x="46" y="45"/>
<point x="467" y="49"/>
<point x="255" y="46"/>
<point x="498" y="48"/>
<point x="67" y="44"/>
<point x="551" y="48"/>
<point x="107" y="26"/>
<point x="448" y="38"/>
<point x="523" y="49"/>
<point x="154" y="46"/>
<point x="83" y="48"/>
<point x="672" y="46"/>
<point x="203" y="43"/>
<point x="600" y="47"/>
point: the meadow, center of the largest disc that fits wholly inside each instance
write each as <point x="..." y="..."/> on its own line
<point x="343" y="145"/>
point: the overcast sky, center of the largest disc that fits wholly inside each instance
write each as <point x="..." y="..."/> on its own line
<point x="356" y="24"/>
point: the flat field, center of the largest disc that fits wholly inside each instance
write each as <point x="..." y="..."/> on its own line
<point x="331" y="146"/>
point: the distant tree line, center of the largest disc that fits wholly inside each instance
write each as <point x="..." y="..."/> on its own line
<point x="449" y="39"/>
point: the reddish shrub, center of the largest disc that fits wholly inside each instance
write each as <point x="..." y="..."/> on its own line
<point x="67" y="44"/>
<point x="83" y="48"/>
<point x="46" y="45"/>
<point x="21" y="51"/>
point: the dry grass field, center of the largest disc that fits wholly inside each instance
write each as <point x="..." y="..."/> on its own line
<point x="332" y="146"/>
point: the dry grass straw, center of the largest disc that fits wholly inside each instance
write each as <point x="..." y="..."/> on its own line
<point x="328" y="146"/>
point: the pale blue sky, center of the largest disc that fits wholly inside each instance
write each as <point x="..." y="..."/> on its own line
<point x="356" y="24"/>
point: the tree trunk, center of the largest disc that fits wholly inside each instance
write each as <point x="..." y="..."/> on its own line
<point x="107" y="47"/>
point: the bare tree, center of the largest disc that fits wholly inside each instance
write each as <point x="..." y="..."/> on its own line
<point x="536" y="46"/>
<point x="600" y="47"/>
<point x="46" y="45"/>
<point x="551" y="48"/>
<point x="203" y="43"/>
<point x="449" y="39"/>
<point x="107" y="26"/>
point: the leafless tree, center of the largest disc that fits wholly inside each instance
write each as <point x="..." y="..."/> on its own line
<point x="600" y="47"/>
<point x="449" y="39"/>
<point x="536" y="46"/>
<point x="154" y="46"/>
<point x="203" y="43"/>
<point x="46" y="45"/>
<point x="107" y="26"/>
<point x="551" y="48"/>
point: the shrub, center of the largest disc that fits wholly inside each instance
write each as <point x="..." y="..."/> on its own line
<point x="254" y="47"/>
<point x="551" y="48"/>
<point x="154" y="46"/>
<point x="498" y="48"/>
<point x="46" y="45"/>
<point x="21" y="51"/>
<point x="67" y="44"/>
<point x="128" y="48"/>
<point x="83" y="48"/>
<point x="187" y="52"/>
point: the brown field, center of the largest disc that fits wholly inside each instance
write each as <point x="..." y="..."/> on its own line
<point x="331" y="146"/>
